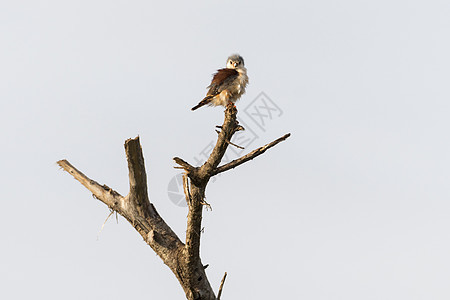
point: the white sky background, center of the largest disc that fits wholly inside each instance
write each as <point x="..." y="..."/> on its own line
<point x="355" y="205"/>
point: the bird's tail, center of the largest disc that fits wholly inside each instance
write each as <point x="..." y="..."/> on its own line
<point x="205" y="101"/>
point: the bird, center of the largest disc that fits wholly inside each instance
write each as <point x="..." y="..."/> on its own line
<point x="228" y="84"/>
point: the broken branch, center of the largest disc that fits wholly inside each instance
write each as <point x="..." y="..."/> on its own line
<point x="221" y="286"/>
<point x="101" y="192"/>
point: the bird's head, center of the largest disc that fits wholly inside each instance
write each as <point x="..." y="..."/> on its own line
<point x="235" y="61"/>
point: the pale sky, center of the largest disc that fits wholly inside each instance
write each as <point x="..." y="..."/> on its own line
<point x="354" y="205"/>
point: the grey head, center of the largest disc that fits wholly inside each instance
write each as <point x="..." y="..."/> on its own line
<point x="235" y="61"/>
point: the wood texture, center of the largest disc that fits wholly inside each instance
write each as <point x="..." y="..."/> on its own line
<point x="182" y="258"/>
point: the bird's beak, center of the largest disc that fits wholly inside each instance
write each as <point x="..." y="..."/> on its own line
<point x="235" y="65"/>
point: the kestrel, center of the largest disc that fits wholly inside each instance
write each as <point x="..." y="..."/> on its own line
<point x="227" y="85"/>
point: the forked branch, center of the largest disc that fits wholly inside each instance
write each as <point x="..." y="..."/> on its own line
<point x="183" y="259"/>
<point x="199" y="177"/>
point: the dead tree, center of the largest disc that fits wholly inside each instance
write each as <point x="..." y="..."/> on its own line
<point x="182" y="258"/>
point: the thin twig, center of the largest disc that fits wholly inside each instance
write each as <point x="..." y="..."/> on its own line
<point x="221" y="286"/>
<point x="249" y="156"/>
<point x="206" y="204"/>
<point x="100" y="192"/>
<point x="142" y="215"/>
<point x="101" y="229"/>
<point x="230" y="143"/>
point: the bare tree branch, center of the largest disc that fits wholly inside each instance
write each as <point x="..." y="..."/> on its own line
<point x="199" y="179"/>
<point x="183" y="259"/>
<point x="142" y="215"/>
<point x="101" y="192"/>
<point x="138" y="177"/>
<point x="230" y="143"/>
<point x="233" y="164"/>
<point x="229" y="127"/>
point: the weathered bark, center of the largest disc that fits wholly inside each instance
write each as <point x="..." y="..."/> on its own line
<point x="183" y="259"/>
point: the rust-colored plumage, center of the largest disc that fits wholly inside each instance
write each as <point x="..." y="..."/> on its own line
<point x="227" y="84"/>
<point x="219" y="83"/>
<point x="222" y="75"/>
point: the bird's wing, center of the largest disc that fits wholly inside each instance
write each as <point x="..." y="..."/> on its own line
<point x="221" y="80"/>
